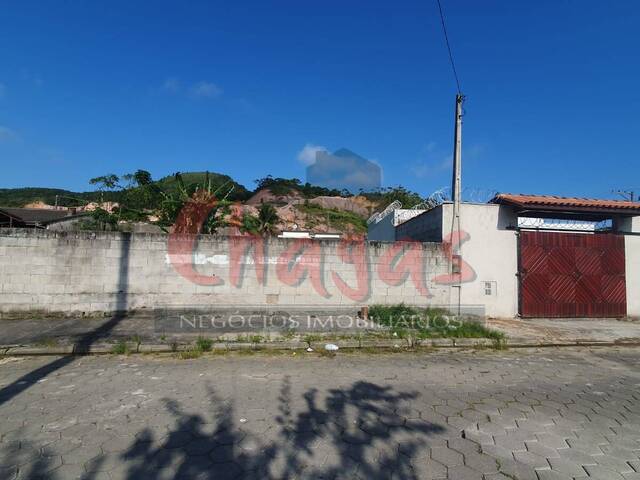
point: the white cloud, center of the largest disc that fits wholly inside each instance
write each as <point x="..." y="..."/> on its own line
<point x="32" y="77"/>
<point x="430" y="147"/>
<point x="435" y="161"/>
<point x="7" y="135"/>
<point x="205" y="90"/>
<point x="171" y="85"/>
<point x="202" y="89"/>
<point x="424" y="169"/>
<point x="307" y="155"/>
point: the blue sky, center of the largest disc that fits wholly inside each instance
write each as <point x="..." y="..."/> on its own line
<point x="88" y="88"/>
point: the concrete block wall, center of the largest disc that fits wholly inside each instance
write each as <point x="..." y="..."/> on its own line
<point x="72" y="272"/>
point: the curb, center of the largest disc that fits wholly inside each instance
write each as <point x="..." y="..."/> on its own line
<point x="351" y="345"/>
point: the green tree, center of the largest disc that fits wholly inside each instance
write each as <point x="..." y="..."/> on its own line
<point x="267" y="218"/>
<point x="99" y="220"/>
<point x="142" y="177"/>
<point x="105" y="183"/>
<point x="250" y="224"/>
<point x="388" y="195"/>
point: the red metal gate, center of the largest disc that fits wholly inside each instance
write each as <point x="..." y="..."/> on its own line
<point x="572" y="275"/>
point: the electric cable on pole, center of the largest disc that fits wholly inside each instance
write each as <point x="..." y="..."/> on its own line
<point x="456" y="182"/>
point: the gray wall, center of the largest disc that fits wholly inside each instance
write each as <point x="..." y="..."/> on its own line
<point x="426" y="227"/>
<point x="69" y="272"/>
<point x="382" y="231"/>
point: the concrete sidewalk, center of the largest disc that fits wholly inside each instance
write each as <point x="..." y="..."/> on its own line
<point x="558" y="331"/>
<point x="142" y="329"/>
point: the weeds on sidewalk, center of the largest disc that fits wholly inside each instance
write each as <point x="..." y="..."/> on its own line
<point x="192" y="352"/>
<point x="121" y="348"/>
<point x="413" y="324"/>
<point x="204" y="344"/>
<point x="309" y="339"/>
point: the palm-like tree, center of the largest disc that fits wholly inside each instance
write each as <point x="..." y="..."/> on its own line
<point x="268" y="218"/>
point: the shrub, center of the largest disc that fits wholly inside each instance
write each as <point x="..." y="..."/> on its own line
<point x="120" y="348"/>
<point x="407" y="321"/>
<point x="204" y="344"/>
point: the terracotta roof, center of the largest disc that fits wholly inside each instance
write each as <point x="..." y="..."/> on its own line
<point x="568" y="203"/>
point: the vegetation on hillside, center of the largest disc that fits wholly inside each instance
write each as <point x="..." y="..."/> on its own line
<point x="140" y="198"/>
<point x="338" y="220"/>
<point x="264" y="224"/>
<point x="19" y="197"/>
<point x="385" y="196"/>
<point x="285" y="186"/>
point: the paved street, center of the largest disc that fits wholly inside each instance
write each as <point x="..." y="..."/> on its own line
<point x="547" y="414"/>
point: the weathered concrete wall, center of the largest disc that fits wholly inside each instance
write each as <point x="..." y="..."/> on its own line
<point x="107" y="271"/>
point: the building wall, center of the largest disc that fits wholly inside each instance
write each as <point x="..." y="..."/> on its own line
<point x="42" y="270"/>
<point x="627" y="224"/>
<point x="382" y="231"/>
<point x="426" y="227"/>
<point x="632" y="267"/>
<point x="490" y="252"/>
<point x="385" y="229"/>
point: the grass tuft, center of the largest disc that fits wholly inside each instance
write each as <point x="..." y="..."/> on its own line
<point x="410" y="323"/>
<point x="193" y="352"/>
<point x="204" y="344"/>
<point x="120" y="348"/>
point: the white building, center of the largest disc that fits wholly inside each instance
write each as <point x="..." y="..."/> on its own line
<point x="537" y="256"/>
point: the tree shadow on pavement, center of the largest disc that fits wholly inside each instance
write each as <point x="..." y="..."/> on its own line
<point x="84" y="343"/>
<point x="361" y="432"/>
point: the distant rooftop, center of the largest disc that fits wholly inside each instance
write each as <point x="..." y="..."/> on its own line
<point x="36" y="216"/>
<point x="571" y="204"/>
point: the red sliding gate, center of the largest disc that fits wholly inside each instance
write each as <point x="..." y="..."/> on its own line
<point x="572" y="275"/>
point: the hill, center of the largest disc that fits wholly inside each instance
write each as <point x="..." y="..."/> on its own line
<point x="298" y="206"/>
<point x="224" y="183"/>
<point x="19" y="197"/>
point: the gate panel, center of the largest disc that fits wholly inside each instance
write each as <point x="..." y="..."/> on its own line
<point x="572" y="275"/>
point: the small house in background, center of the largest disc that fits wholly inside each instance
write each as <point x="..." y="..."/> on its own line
<point x="44" y="218"/>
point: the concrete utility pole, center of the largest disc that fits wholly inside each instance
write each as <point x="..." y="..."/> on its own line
<point x="457" y="157"/>
<point x="456" y="194"/>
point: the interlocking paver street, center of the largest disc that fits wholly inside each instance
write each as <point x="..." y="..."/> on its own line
<point x="534" y="414"/>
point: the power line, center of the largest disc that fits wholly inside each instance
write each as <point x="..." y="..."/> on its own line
<point x="628" y="194"/>
<point x="446" y="39"/>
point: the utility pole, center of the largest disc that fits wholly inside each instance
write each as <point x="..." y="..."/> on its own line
<point x="457" y="156"/>
<point x="456" y="194"/>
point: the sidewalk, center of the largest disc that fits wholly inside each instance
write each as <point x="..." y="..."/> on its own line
<point x="559" y="331"/>
<point x="67" y="335"/>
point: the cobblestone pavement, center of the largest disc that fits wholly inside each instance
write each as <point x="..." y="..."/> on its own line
<point x="546" y="414"/>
